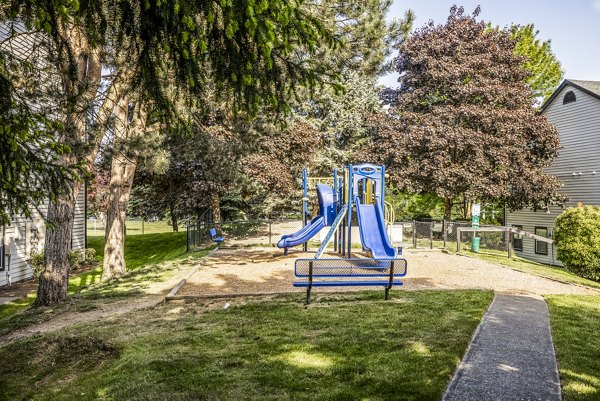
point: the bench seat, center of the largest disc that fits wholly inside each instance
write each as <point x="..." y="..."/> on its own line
<point x="346" y="283"/>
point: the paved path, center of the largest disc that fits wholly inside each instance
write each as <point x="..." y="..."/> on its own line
<point x="511" y="356"/>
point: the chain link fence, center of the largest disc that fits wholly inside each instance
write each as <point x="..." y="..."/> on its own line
<point x="414" y="235"/>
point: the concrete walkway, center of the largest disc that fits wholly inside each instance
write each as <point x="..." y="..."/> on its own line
<point x="511" y="356"/>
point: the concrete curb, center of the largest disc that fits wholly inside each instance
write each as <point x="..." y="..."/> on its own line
<point x="173" y="293"/>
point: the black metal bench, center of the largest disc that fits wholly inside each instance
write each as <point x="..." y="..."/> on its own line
<point x="344" y="273"/>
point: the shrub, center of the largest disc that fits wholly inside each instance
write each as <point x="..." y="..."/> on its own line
<point x="37" y="263"/>
<point x="577" y="237"/>
<point x="77" y="258"/>
<point x="90" y="256"/>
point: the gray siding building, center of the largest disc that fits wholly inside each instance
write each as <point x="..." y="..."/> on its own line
<point x="26" y="236"/>
<point x="574" y="108"/>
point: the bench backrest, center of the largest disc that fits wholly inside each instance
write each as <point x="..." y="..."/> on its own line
<point x="350" y="267"/>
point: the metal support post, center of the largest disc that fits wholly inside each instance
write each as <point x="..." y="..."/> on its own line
<point x="431" y="235"/>
<point x="390" y="283"/>
<point x="310" y="279"/>
<point x="305" y="203"/>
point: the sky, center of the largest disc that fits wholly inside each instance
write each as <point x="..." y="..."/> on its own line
<point x="573" y="26"/>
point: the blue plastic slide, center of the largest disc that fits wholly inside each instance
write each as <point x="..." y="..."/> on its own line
<point x="325" y="218"/>
<point x="306" y="233"/>
<point x="373" y="234"/>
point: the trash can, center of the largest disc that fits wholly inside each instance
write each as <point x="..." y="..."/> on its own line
<point x="475" y="244"/>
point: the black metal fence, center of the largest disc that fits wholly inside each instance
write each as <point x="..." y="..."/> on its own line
<point x="415" y="235"/>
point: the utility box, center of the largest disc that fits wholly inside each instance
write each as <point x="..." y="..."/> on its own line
<point x="395" y="232"/>
<point x="475" y="244"/>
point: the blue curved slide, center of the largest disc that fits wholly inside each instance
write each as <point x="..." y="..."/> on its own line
<point x="373" y="234"/>
<point x="306" y="233"/>
<point x="325" y="218"/>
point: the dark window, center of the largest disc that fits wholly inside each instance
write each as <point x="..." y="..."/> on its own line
<point x="541" y="248"/>
<point x="569" y="97"/>
<point x="517" y="239"/>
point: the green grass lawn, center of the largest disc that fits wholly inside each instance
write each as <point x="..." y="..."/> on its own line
<point x="343" y="347"/>
<point x="575" y="330"/>
<point x="134" y="227"/>
<point x="146" y="258"/>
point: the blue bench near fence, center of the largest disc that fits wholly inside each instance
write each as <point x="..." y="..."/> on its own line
<point x="349" y="273"/>
<point x="214" y="237"/>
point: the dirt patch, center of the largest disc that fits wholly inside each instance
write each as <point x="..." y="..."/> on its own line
<point x="268" y="270"/>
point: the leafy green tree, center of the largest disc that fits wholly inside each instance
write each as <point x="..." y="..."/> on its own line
<point x="164" y="51"/>
<point x="544" y="68"/>
<point x="463" y="124"/>
<point x="367" y="42"/>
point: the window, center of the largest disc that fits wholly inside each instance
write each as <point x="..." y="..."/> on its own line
<point x="541" y="248"/>
<point x="517" y="239"/>
<point x="569" y="97"/>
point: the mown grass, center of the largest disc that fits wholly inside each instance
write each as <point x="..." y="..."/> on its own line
<point x="343" y="347"/>
<point x="145" y="257"/>
<point x="575" y="324"/>
<point x="134" y="227"/>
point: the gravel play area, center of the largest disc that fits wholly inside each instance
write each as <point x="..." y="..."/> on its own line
<point x="258" y="270"/>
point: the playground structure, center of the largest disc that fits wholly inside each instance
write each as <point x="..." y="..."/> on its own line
<point x="361" y="190"/>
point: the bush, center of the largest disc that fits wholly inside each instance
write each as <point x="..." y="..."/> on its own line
<point x="37" y="263"/>
<point x="577" y="237"/>
<point x="77" y="258"/>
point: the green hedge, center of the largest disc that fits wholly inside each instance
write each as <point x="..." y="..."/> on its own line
<point x="577" y="237"/>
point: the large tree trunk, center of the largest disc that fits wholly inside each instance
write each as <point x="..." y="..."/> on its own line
<point x="124" y="163"/>
<point x="54" y="279"/>
<point x="447" y="208"/>
<point x="174" y="223"/>
<point x="80" y="90"/>
<point x="121" y="180"/>
<point x="215" y="201"/>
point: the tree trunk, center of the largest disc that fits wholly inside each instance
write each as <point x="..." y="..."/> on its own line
<point x="215" y="201"/>
<point x="124" y="163"/>
<point x="447" y="208"/>
<point x="54" y="280"/>
<point x="79" y="90"/>
<point x="174" y="220"/>
<point x="121" y="179"/>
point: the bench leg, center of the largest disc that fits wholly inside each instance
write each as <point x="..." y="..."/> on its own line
<point x="285" y="251"/>
<point x="391" y="282"/>
<point x="310" y="279"/>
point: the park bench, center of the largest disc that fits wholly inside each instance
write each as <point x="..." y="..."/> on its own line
<point x="214" y="237"/>
<point x="349" y="272"/>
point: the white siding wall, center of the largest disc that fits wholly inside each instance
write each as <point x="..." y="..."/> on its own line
<point x="25" y="236"/>
<point x="578" y="126"/>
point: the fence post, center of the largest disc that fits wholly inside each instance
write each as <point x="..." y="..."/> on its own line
<point x="444" y="232"/>
<point x="509" y="238"/>
<point x="431" y="235"/>
<point x="457" y="239"/>
<point x="414" y="232"/>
